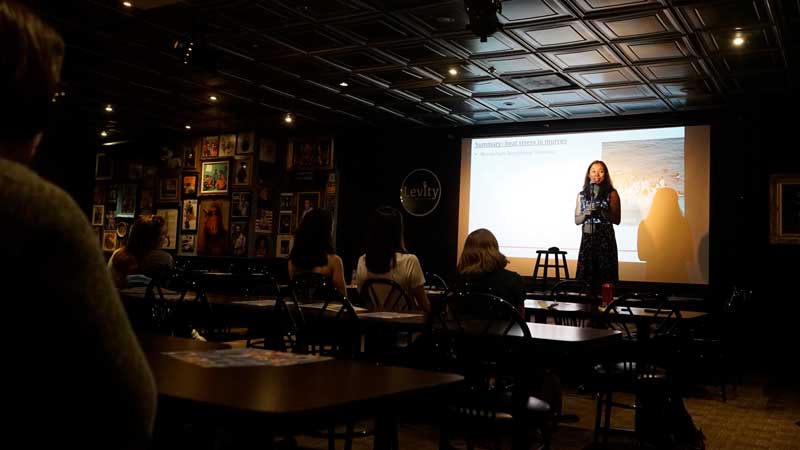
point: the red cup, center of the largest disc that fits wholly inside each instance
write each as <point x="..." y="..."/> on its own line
<point x="607" y="293"/>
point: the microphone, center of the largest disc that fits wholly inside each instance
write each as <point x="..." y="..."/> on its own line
<point x="595" y="191"/>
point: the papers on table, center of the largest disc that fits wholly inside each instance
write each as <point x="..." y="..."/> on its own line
<point x="244" y="357"/>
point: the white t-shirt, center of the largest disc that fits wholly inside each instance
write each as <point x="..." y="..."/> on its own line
<point x="407" y="272"/>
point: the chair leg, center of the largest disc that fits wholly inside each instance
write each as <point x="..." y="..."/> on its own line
<point x="607" y="425"/>
<point x="597" y="417"/>
<point x="348" y="440"/>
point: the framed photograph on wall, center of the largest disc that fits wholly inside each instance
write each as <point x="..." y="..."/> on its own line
<point x="212" y="233"/>
<point x="103" y="167"/>
<point x="191" y="149"/>
<point x="98" y="214"/>
<point x="227" y="145"/>
<point x="109" y="240"/>
<point x="126" y="200"/>
<point x="214" y="178"/>
<point x="264" y="221"/>
<point x="284" y="246"/>
<point x="168" y="189"/>
<point x="188" y="242"/>
<point x="242" y="170"/>
<point x="239" y="238"/>
<point x="784" y="193"/>
<point x="262" y="247"/>
<point x="306" y="201"/>
<point x="210" y="148"/>
<point x="267" y="150"/>
<point x="310" y="153"/>
<point x="135" y="171"/>
<point x="241" y="203"/>
<point x="189" y="185"/>
<point x="287" y="202"/>
<point x="285" y="223"/>
<point x="189" y="221"/>
<point x="145" y="200"/>
<point x="171" y="218"/>
<point x="245" y="143"/>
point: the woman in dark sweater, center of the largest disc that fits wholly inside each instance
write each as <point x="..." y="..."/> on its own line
<point x="482" y="268"/>
<point x="142" y="254"/>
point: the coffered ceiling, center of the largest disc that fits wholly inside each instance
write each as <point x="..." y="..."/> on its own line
<point x="413" y="62"/>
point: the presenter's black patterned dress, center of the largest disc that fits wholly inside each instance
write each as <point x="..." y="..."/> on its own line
<point x="597" y="258"/>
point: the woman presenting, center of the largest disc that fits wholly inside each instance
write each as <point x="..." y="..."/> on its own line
<point x="597" y="209"/>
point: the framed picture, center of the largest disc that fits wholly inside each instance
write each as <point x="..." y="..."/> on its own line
<point x="310" y="153"/>
<point x="267" y="151"/>
<point x="109" y="240"/>
<point x="189" y="185"/>
<point x="99" y="194"/>
<point x="284" y="246"/>
<point x="245" y="143"/>
<point x="122" y="229"/>
<point x="285" y="223"/>
<point x="190" y="151"/>
<point x="135" y="171"/>
<point x="98" y="214"/>
<point x="210" y="148"/>
<point x="242" y="170"/>
<point x="149" y="176"/>
<point x="168" y="189"/>
<point x="264" y="221"/>
<point x="241" y="203"/>
<point x="287" y="202"/>
<point x="110" y="222"/>
<point x="99" y="231"/>
<point x="214" y="178"/>
<point x="126" y="200"/>
<point x="239" y="238"/>
<point x="227" y="145"/>
<point x="784" y="193"/>
<point x="306" y="201"/>
<point x="146" y="200"/>
<point x="189" y="222"/>
<point x="103" y="167"/>
<point x="171" y="218"/>
<point x="188" y="242"/>
<point x="262" y="249"/>
<point x="212" y="233"/>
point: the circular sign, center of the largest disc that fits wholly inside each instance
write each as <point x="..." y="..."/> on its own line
<point x="420" y="192"/>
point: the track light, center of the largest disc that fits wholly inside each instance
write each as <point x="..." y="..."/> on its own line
<point x="288" y="118"/>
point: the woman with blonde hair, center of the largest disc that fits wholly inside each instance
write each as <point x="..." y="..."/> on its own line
<point x="481" y="268"/>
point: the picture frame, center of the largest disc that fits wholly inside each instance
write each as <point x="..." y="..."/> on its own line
<point x="284" y="246"/>
<point x="310" y="153"/>
<point x="109" y="240"/>
<point x="103" y="167"/>
<point x="189" y="183"/>
<point x="99" y="194"/>
<point x="190" y="151"/>
<point x="245" y="143"/>
<point x="135" y="171"/>
<point x="168" y="189"/>
<point x="189" y="215"/>
<point x="241" y="204"/>
<point x="306" y="201"/>
<point x="239" y="238"/>
<point x="242" y="171"/>
<point x="285" y="223"/>
<point x="212" y="229"/>
<point x="227" y="145"/>
<point x="267" y="150"/>
<point x="122" y="229"/>
<point x="146" y="200"/>
<point x="170" y="217"/>
<point x="287" y="202"/>
<point x="188" y="244"/>
<point x="264" y="221"/>
<point x="98" y="214"/>
<point x="784" y="193"/>
<point x="214" y="179"/>
<point x="262" y="246"/>
<point x="210" y="147"/>
<point x="126" y="200"/>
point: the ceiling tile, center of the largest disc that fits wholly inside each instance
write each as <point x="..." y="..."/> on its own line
<point x="533" y="114"/>
<point x="564" y="34"/>
<point x="639" y="107"/>
<point x="583" y="111"/>
<point x="419" y="52"/>
<point x="670" y="70"/>
<point x="616" y="93"/>
<point x="488" y="87"/>
<point x="510" y="65"/>
<point x="642" y="25"/>
<point x="564" y="97"/>
<point x="520" y="11"/>
<point x="540" y="82"/>
<point x="597" y="77"/>
<point x="654" y="50"/>
<point x="584" y="57"/>
<point x="600" y="6"/>
<point x="441" y="19"/>
<point x="509" y="102"/>
<point x="497" y="43"/>
<point x="705" y="15"/>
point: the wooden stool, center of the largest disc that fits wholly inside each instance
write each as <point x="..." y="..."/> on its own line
<point x="556" y="264"/>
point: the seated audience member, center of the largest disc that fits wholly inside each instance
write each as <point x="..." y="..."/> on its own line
<point x="140" y="260"/>
<point x="76" y="373"/>
<point x="386" y="256"/>
<point x="482" y="269"/>
<point x="313" y="249"/>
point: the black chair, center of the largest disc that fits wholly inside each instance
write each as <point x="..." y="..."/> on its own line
<point x="270" y="328"/>
<point x="434" y="282"/>
<point x="572" y="291"/>
<point x="642" y="365"/>
<point x="383" y="294"/>
<point x="483" y="337"/>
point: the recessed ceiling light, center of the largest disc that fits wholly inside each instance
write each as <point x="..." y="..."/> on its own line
<point x="109" y="108"/>
<point x="738" y="41"/>
<point x="188" y="127"/>
<point x="288" y="118"/>
<point x="103" y="133"/>
<point x="127" y="4"/>
<point x="453" y="71"/>
<point x="213" y="98"/>
<point x="343" y="84"/>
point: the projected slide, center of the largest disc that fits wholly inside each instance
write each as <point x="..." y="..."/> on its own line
<point x="524" y="189"/>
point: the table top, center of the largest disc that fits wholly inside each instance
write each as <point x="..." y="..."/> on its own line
<point x="566" y="307"/>
<point x="287" y="391"/>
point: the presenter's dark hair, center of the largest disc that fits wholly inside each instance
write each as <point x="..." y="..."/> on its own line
<point x="312" y="240"/>
<point x="31" y="53"/>
<point x="605" y="186"/>
<point x="384" y="239"/>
